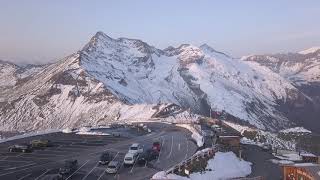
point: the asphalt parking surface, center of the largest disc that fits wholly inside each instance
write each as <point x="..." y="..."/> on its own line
<point x="261" y="164"/>
<point x="176" y="146"/>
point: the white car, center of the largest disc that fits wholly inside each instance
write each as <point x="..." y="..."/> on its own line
<point x="135" y="149"/>
<point x="130" y="158"/>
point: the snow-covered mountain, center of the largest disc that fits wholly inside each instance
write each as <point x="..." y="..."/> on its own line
<point x="299" y="68"/>
<point x="302" y="69"/>
<point x="120" y="79"/>
<point x="11" y="74"/>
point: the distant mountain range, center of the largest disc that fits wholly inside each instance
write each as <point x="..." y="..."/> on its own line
<point x="123" y="79"/>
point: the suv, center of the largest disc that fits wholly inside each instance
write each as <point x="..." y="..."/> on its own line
<point x="40" y="143"/>
<point x="156" y="146"/>
<point x="20" y="148"/>
<point x="130" y="158"/>
<point x="105" y="158"/>
<point x="135" y="149"/>
<point x="147" y="156"/>
<point x="69" y="167"/>
<point x="113" y="167"/>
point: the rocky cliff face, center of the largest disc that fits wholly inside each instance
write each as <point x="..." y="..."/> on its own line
<point x="121" y="79"/>
<point x="303" y="71"/>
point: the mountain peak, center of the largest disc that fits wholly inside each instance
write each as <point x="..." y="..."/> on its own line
<point x="101" y="35"/>
<point x="205" y="47"/>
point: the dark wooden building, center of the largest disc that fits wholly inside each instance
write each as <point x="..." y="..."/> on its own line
<point x="301" y="171"/>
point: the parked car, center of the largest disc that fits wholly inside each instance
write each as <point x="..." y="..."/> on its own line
<point x="156" y="146"/>
<point x="69" y="167"/>
<point x="130" y="158"/>
<point x="116" y="134"/>
<point x="38" y="143"/>
<point x="135" y="148"/>
<point x="113" y="167"/>
<point x="105" y="158"/>
<point x="147" y="156"/>
<point x="20" y="148"/>
<point x="266" y="147"/>
<point x="216" y="128"/>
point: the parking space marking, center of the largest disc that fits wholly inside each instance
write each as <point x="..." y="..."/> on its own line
<point x="135" y="162"/>
<point x="14" y="161"/>
<point x="42" y="174"/>
<point x="90" y="171"/>
<point x="169" y="155"/>
<point x="39" y="165"/>
<point x="163" y="141"/>
<point x="24" y="176"/>
<point x="119" y="169"/>
<point x="12" y="168"/>
<point x="185" y="157"/>
<point x="5" y="157"/>
<point x="100" y="151"/>
<point x="19" y="155"/>
<point x="102" y="174"/>
<point x="78" y="169"/>
<point x="4" y="166"/>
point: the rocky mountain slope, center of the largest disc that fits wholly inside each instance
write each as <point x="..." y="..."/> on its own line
<point x="302" y="69"/>
<point x="11" y="74"/>
<point x="121" y="79"/>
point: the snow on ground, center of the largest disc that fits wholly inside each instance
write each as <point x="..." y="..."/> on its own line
<point x="29" y="135"/>
<point x="67" y="130"/>
<point x="310" y="50"/>
<point x="293" y="156"/>
<point x="93" y="133"/>
<point x="296" y="130"/>
<point x="195" y="134"/>
<point x="245" y="140"/>
<point x="264" y="137"/>
<point x="224" y="165"/>
<point x="276" y="161"/>
<point x="238" y="127"/>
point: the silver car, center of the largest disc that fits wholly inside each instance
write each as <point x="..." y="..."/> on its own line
<point x="113" y="167"/>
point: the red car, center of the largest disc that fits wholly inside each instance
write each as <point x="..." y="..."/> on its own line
<point x="156" y="146"/>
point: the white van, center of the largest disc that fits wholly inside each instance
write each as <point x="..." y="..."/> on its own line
<point x="135" y="148"/>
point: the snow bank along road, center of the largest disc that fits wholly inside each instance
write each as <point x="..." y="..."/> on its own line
<point x="176" y="146"/>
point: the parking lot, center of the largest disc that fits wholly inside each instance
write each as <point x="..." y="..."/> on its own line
<point x="86" y="149"/>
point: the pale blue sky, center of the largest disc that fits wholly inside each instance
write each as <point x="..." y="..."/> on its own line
<point x="43" y="30"/>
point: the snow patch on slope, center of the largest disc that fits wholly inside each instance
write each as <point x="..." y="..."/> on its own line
<point x="310" y="50"/>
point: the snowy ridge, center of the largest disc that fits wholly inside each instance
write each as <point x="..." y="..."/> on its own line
<point x="125" y="79"/>
<point x="310" y="50"/>
<point x="295" y="130"/>
<point x="297" y="68"/>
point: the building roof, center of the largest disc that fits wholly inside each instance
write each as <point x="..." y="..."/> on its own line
<point x="313" y="169"/>
<point x="307" y="154"/>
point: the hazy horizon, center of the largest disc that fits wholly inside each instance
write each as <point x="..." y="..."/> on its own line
<point x="37" y="31"/>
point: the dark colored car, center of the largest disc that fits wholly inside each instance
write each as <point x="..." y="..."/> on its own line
<point x="156" y="146"/>
<point x="69" y="167"/>
<point x="20" y="148"/>
<point x="105" y="158"/>
<point x="267" y="147"/>
<point x="147" y="156"/>
<point x="39" y="143"/>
